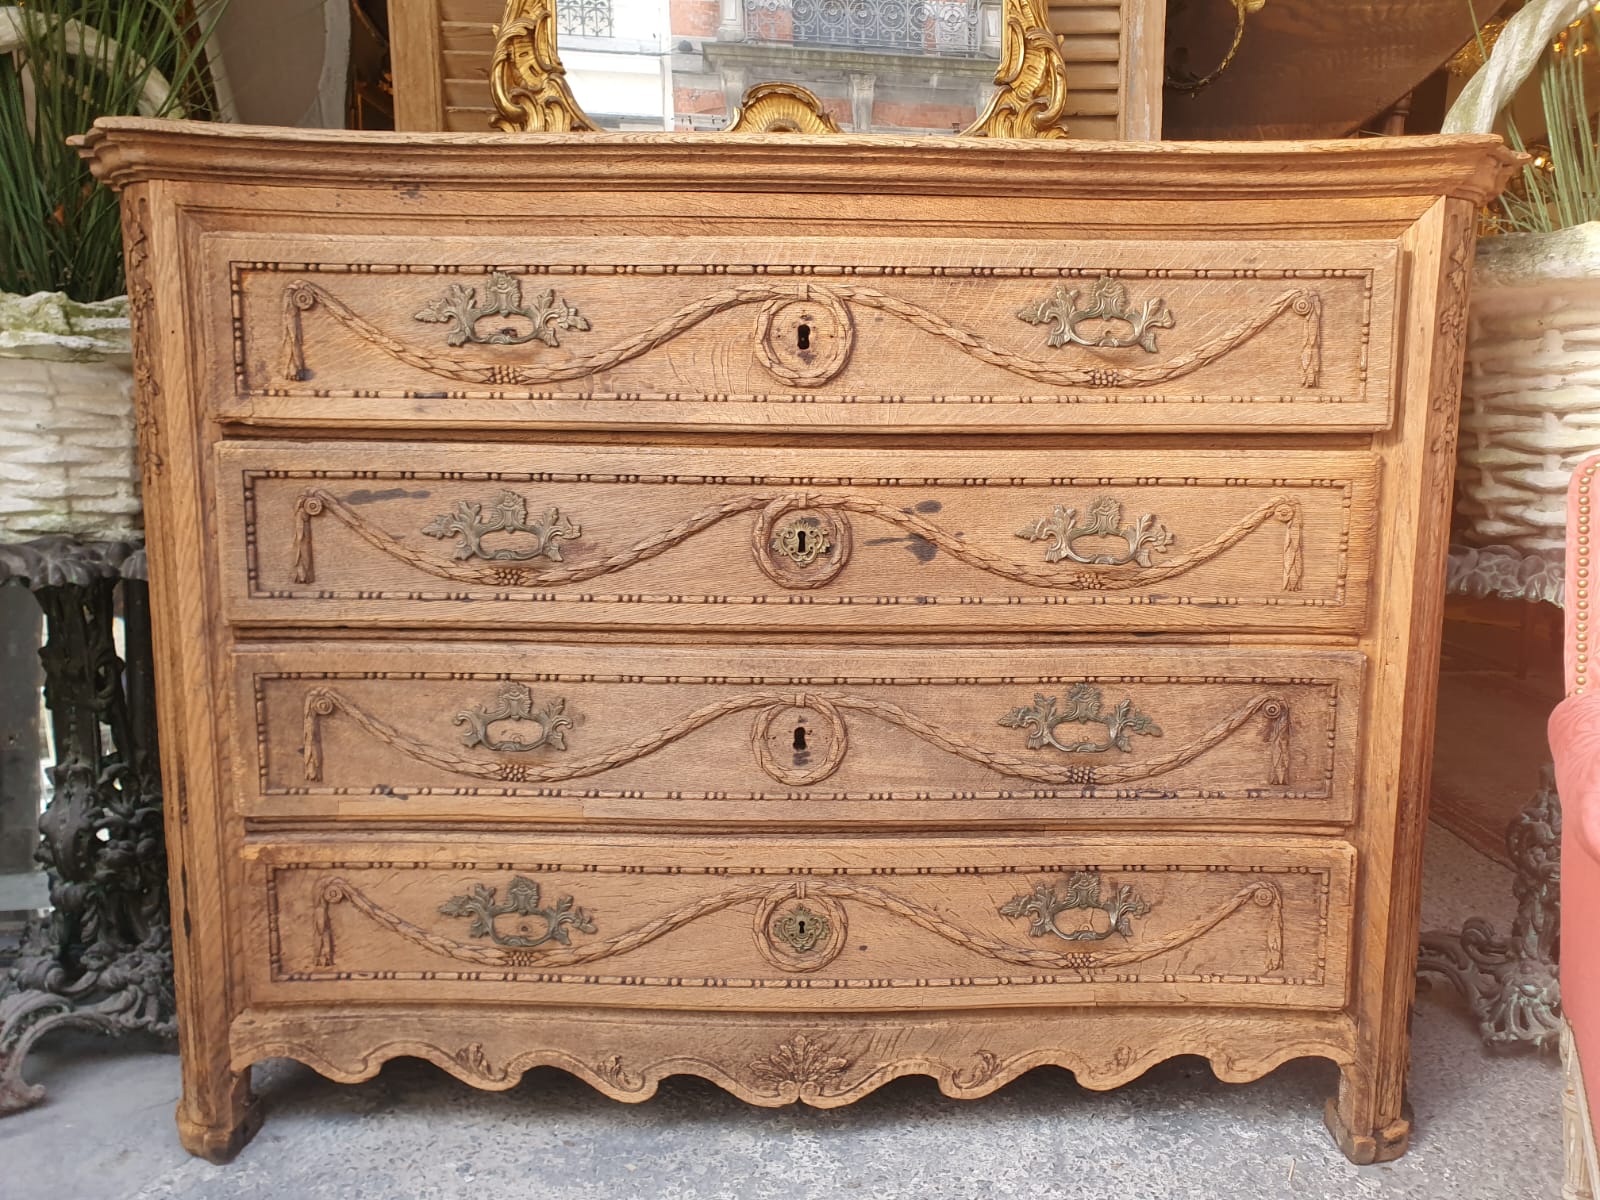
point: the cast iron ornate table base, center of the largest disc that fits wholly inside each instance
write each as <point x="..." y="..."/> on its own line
<point x="102" y="959"/>
<point x="1511" y="982"/>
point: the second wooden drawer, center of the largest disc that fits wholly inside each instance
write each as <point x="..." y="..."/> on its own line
<point x="742" y="538"/>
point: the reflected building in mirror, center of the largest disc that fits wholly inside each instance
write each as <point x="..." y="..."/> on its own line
<point x="879" y="66"/>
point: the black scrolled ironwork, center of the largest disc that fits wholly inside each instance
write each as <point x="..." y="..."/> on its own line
<point x="1511" y="982"/>
<point x="102" y="959"/>
<point x="584" y="18"/>
<point x="934" y="27"/>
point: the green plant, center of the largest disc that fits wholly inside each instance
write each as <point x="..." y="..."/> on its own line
<point x="73" y="61"/>
<point x="1560" y="187"/>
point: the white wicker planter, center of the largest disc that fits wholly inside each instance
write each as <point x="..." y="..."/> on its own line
<point x="1530" y="406"/>
<point x="68" y="462"/>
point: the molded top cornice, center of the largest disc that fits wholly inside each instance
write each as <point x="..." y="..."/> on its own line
<point x="127" y="150"/>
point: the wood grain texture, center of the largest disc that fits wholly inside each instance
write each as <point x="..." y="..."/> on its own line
<point x="504" y="732"/>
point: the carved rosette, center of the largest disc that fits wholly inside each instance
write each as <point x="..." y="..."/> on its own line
<point x="799" y="1067"/>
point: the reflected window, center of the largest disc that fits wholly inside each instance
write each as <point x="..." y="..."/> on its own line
<point x="878" y="66"/>
<point x="584" y="18"/>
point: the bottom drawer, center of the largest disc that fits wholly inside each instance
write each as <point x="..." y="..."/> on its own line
<point x="805" y="923"/>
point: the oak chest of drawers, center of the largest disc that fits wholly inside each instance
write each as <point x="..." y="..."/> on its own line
<point x="794" y="611"/>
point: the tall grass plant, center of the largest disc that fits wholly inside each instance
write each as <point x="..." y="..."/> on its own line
<point x="76" y="60"/>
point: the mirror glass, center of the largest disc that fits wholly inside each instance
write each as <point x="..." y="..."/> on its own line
<point x="879" y="66"/>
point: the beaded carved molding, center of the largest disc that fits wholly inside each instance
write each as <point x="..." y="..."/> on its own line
<point x="1264" y="716"/>
<point x="521" y="314"/>
<point x="1049" y="944"/>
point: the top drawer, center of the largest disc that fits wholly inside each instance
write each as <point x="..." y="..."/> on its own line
<point x="916" y="334"/>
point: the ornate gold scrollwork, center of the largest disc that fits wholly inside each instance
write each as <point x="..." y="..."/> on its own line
<point x="529" y="85"/>
<point x="780" y="108"/>
<point x="526" y="79"/>
<point x="1030" y="99"/>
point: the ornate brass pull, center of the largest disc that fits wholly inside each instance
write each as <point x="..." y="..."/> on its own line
<point x="516" y="705"/>
<point x="1083" y="707"/>
<point x="460" y="308"/>
<point x="522" y="899"/>
<point x="1108" y="301"/>
<point x="469" y="524"/>
<point x="1104" y="516"/>
<point x="1084" y="890"/>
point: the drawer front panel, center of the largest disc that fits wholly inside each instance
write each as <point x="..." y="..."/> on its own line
<point x="754" y="538"/>
<point x="807" y="333"/>
<point x="929" y="923"/>
<point x="774" y="735"/>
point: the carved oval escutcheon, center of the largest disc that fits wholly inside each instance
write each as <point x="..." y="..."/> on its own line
<point x="805" y="341"/>
<point x="800" y="743"/>
<point x="799" y="547"/>
<point x="797" y="932"/>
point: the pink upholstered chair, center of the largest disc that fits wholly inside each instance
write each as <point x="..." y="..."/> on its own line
<point x="1575" y="743"/>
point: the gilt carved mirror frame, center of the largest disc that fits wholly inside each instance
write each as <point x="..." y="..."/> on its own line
<point x="531" y="94"/>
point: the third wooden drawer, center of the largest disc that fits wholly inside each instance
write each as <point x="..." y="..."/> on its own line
<point x="798" y="737"/>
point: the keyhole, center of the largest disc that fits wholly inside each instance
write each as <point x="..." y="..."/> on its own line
<point x="800" y="540"/>
<point x="800" y="926"/>
<point x="799" y="737"/>
<point x="803" y="337"/>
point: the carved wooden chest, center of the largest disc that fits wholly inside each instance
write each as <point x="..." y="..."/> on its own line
<point x="794" y="611"/>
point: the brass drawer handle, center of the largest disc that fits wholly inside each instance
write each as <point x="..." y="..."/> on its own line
<point x="522" y="900"/>
<point x="516" y="706"/>
<point x="502" y="297"/>
<point x="1145" y="537"/>
<point x="1108" y="301"/>
<point x="469" y="524"/>
<point x="1061" y="527"/>
<point x="1083" y="707"/>
<point x="1084" y="891"/>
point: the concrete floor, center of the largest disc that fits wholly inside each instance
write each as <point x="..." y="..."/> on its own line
<point x="1488" y="1128"/>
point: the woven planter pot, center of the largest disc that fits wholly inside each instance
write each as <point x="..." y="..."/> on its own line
<point x="1530" y="406"/>
<point x="68" y="460"/>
